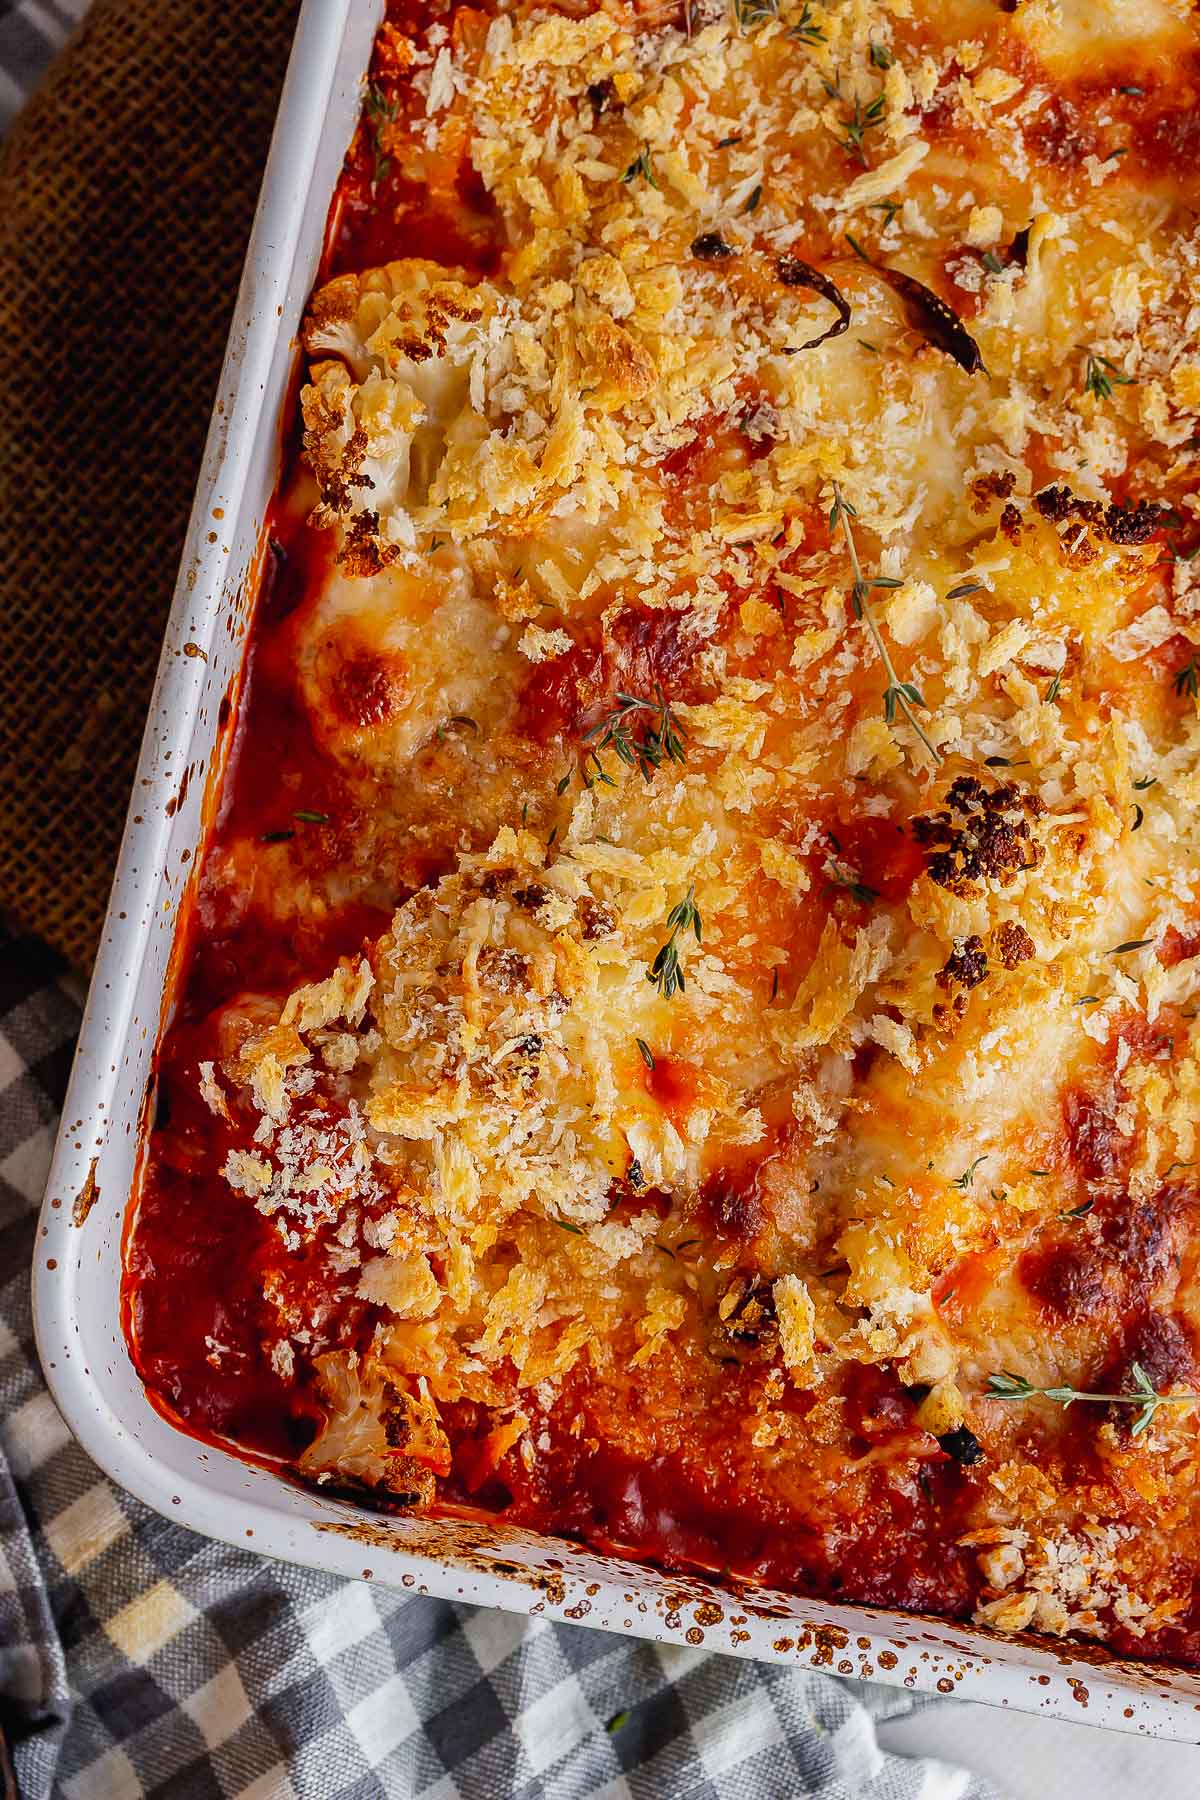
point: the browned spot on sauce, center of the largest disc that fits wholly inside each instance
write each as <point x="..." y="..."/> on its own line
<point x="1097" y="1145"/>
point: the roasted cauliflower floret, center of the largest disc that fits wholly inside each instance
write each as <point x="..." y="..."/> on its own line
<point x="396" y="347"/>
<point x="438" y="407"/>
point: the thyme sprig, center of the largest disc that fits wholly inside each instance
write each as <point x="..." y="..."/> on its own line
<point x="1101" y="375"/>
<point x="856" y="122"/>
<point x="750" y="14"/>
<point x="381" y="110"/>
<point x="1144" y="1395"/>
<point x="642" y="733"/>
<point x="898" y="694"/>
<point x="1187" y="679"/>
<point x="641" y="165"/>
<point x="665" y="972"/>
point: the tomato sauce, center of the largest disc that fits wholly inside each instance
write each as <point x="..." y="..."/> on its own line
<point x="200" y="1296"/>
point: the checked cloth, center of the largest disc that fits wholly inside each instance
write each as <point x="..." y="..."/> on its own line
<point x="139" y="1659"/>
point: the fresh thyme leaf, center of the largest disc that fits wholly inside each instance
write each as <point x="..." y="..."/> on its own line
<point x="1143" y="782"/>
<point x="893" y="696"/>
<point x="726" y="142"/>
<point x="992" y="263"/>
<point x="804" y="31"/>
<point x="1133" y="944"/>
<point x="774" y="986"/>
<point x="1138" y="816"/>
<point x="964" y="588"/>
<point x="1087" y="1000"/>
<point x="565" y="1225"/>
<point x="1052" y="692"/>
<point x="1037" y="1171"/>
<point x="867" y="345"/>
<point x="855" y="125"/>
<point x="276" y="837"/>
<point x="647" y="1055"/>
<point x="381" y="110"/>
<point x="753" y="199"/>
<point x="897" y="693"/>
<point x="889" y="209"/>
<point x="1078" y="1212"/>
<point x="966" y="1179"/>
<point x="1101" y="375"/>
<point x="1131" y="90"/>
<point x="560" y="787"/>
<point x="1143" y="1394"/>
<point x="857" y="890"/>
<point x="641" y="165"/>
<point x="665" y="973"/>
<point x="311" y="818"/>
<point x="1187" y="680"/>
<point x="881" y="57"/>
<point x="641" y="733"/>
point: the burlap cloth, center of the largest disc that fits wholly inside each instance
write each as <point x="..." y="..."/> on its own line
<point x="126" y="192"/>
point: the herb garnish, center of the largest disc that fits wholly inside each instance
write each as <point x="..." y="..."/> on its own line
<point x="1143" y="782"/>
<point x="641" y="165"/>
<point x="857" y="889"/>
<point x="381" y="110"/>
<point x="276" y="837"/>
<point x="750" y="14"/>
<point x="881" y="57"/>
<point x="665" y="973"/>
<point x="1144" y="1395"/>
<point x="1133" y="944"/>
<point x="963" y="589"/>
<point x="647" y="1055"/>
<point x="565" y="1225"/>
<point x="753" y="199"/>
<point x="965" y="1180"/>
<point x="857" y="122"/>
<point x="1078" y="1212"/>
<point x="646" y="747"/>
<point x="311" y="818"/>
<point x="1052" y="691"/>
<point x="1101" y="375"/>
<point x="1187" y="680"/>
<point x="898" y="693"/>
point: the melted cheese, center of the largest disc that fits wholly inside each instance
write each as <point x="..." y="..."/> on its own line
<point x="608" y="468"/>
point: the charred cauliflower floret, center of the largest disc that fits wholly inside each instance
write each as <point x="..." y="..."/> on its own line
<point x="436" y="406"/>
<point x="395" y="348"/>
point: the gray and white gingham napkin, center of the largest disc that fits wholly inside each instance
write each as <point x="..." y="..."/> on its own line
<point x="138" y="1659"/>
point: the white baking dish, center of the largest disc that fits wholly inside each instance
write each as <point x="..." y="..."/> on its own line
<point x="78" y="1261"/>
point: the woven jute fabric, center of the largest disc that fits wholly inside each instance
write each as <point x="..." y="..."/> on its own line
<point x="127" y="188"/>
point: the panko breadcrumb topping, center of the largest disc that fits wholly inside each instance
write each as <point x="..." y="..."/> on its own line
<point x="758" y="656"/>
